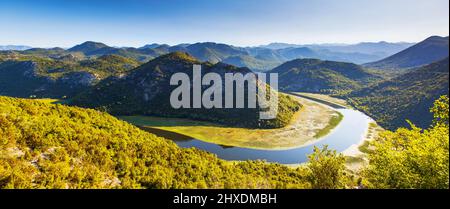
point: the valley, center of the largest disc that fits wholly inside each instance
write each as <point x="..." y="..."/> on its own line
<point x="93" y="100"/>
<point x="316" y="125"/>
<point x="309" y="124"/>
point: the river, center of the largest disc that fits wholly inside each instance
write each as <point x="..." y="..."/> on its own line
<point x="351" y="130"/>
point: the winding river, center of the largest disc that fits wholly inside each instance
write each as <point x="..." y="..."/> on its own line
<point x="351" y="130"/>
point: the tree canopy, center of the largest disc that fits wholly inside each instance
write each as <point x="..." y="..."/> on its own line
<point x="412" y="158"/>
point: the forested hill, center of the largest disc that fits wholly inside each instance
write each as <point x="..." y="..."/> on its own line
<point x="408" y="96"/>
<point x="430" y="50"/>
<point x="317" y="76"/>
<point x="146" y="91"/>
<point x="255" y="58"/>
<point x="35" y="76"/>
<point x="45" y="145"/>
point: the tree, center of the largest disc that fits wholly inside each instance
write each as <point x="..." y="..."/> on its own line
<point x="440" y="111"/>
<point x="326" y="169"/>
<point x="44" y="145"/>
<point x="412" y="158"/>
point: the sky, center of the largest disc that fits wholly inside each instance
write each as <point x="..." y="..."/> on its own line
<point x="50" y="23"/>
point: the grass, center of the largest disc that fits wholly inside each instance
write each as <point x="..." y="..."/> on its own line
<point x="356" y="161"/>
<point x="49" y="101"/>
<point x="311" y="120"/>
<point x="209" y="132"/>
<point x="335" y="120"/>
<point x="53" y="101"/>
<point x="325" y="98"/>
<point x="365" y="147"/>
<point x="372" y="134"/>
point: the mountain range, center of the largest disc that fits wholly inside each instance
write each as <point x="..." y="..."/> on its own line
<point x="146" y="91"/>
<point x="255" y="58"/>
<point x="430" y="50"/>
<point x="317" y="76"/>
<point x="57" y="146"/>
<point x="381" y="48"/>
<point x="32" y="76"/>
<point x="126" y="80"/>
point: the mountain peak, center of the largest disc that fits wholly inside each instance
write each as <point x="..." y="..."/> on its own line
<point x="154" y="46"/>
<point x="318" y="76"/>
<point x="88" y="46"/>
<point x="434" y="38"/>
<point x="430" y="50"/>
<point x="93" y="43"/>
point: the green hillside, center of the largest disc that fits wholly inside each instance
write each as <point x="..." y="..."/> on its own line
<point x="44" y="145"/>
<point x="411" y="158"/>
<point x="430" y="50"/>
<point x="30" y="75"/>
<point x="146" y="91"/>
<point x="407" y="96"/>
<point x="213" y="52"/>
<point x="96" y="49"/>
<point x="110" y="64"/>
<point x="316" y="76"/>
<point x="251" y="62"/>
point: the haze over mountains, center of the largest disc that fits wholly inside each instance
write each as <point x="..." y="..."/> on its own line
<point x="14" y="47"/>
<point x="399" y="88"/>
<point x="430" y="50"/>
<point x="381" y="48"/>
<point x="316" y="76"/>
<point x="256" y="58"/>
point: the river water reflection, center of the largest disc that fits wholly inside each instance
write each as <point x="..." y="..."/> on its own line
<point x="351" y="130"/>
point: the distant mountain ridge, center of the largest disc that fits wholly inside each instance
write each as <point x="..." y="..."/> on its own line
<point x="90" y="48"/>
<point x="255" y="58"/>
<point x="109" y="76"/>
<point x="153" y="46"/>
<point x="428" y="51"/>
<point x="381" y="48"/>
<point x="14" y="47"/>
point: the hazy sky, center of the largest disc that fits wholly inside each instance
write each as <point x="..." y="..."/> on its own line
<point x="45" y="23"/>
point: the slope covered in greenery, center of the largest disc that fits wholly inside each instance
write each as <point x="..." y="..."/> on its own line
<point x="255" y="58"/>
<point x="110" y="65"/>
<point x="316" y="76"/>
<point x="408" y="96"/>
<point x="45" y="145"/>
<point x="251" y="62"/>
<point x="430" y="50"/>
<point x="381" y="48"/>
<point x="412" y="158"/>
<point x="96" y="49"/>
<point x="213" y="52"/>
<point x="146" y="91"/>
<point x="30" y="75"/>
